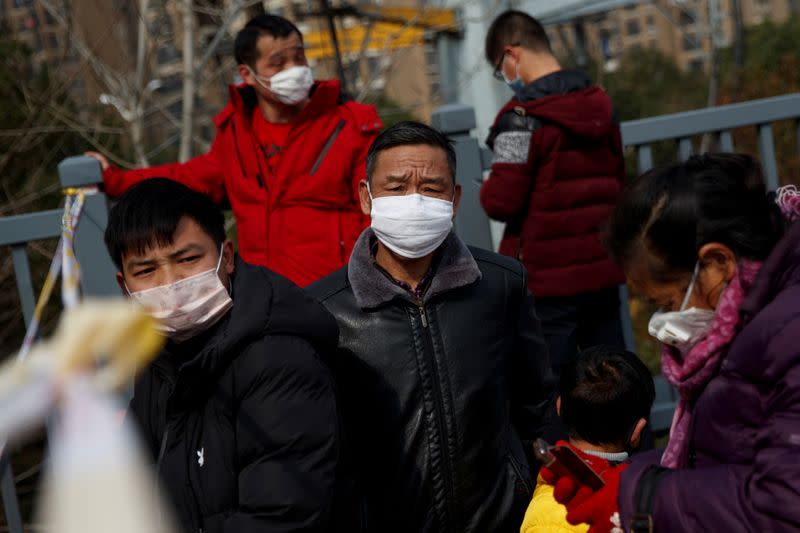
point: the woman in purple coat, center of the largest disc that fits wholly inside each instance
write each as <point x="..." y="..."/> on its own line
<point x="721" y="260"/>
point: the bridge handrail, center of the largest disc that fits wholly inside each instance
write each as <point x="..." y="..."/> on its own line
<point x="710" y="120"/>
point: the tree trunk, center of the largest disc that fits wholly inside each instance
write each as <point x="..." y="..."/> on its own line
<point x="187" y="113"/>
<point x="141" y="45"/>
<point x="738" y="34"/>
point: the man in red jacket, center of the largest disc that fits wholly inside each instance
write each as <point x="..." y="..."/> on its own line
<point x="557" y="170"/>
<point x="288" y="156"/>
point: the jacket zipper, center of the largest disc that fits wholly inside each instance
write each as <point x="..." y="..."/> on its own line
<point x="327" y="146"/>
<point x="437" y="393"/>
<point x="160" y="458"/>
<point x="423" y="317"/>
<point x="189" y="466"/>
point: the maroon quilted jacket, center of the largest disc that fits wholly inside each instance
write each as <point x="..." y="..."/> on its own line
<point x="557" y="171"/>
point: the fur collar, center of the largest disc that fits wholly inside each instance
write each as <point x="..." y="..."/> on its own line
<point x="371" y="288"/>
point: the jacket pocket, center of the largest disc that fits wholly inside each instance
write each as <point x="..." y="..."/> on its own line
<point x="327" y="147"/>
<point x="522" y="483"/>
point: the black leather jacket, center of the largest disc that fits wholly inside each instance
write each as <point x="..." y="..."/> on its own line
<point x="441" y="395"/>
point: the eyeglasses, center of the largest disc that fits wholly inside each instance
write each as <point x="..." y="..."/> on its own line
<point x="498" y="68"/>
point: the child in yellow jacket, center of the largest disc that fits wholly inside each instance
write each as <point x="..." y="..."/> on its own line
<point x="605" y="396"/>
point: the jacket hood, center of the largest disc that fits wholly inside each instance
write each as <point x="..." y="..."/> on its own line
<point x="569" y="99"/>
<point x="264" y="303"/>
<point x="780" y="271"/>
<point x="324" y="95"/>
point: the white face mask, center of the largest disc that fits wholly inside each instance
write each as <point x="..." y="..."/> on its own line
<point x="412" y="225"/>
<point x="187" y="307"/>
<point x="683" y="328"/>
<point x="290" y="86"/>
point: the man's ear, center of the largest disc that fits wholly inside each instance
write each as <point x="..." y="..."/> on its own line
<point x="558" y="405"/>
<point x="246" y="74"/>
<point x="228" y="256"/>
<point x="636" y="435"/>
<point x="363" y="196"/>
<point x="456" y="199"/>
<point x="121" y="283"/>
<point x="513" y="52"/>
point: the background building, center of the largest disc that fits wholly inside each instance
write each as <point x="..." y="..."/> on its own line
<point x="682" y="30"/>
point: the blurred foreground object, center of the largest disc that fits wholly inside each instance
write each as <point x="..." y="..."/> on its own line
<point x="106" y="340"/>
<point x="97" y="479"/>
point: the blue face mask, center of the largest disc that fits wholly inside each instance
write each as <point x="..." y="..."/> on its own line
<point x="517" y="85"/>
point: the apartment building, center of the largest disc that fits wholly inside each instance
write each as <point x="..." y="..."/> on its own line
<point x="681" y="29"/>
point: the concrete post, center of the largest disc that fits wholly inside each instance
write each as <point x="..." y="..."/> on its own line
<point x="456" y="121"/>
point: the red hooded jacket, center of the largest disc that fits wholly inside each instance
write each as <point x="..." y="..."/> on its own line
<point x="558" y="169"/>
<point x="302" y="220"/>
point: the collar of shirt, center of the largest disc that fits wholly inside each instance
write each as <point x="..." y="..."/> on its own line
<point x="423" y="284"/>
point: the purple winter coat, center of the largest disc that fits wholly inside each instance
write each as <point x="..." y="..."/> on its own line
<point x="745" y="435"/>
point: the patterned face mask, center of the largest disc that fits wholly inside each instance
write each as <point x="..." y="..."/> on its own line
<point x="187" y="307"/>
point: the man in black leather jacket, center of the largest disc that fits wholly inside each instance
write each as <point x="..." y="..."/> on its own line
<point x="443" y="373"/>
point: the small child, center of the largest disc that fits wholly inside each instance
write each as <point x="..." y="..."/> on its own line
<point x="605" y="396"/>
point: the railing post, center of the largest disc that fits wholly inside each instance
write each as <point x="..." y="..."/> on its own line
<point x="472" y="224"/>
<point x="644" y="158"/>
<point x="9" y="493"/>
<point x="766" y="148"/>
<point x="97" y="269"/>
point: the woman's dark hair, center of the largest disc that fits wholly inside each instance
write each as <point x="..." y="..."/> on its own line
<point x="669" y="213"/>
<point x="149" y="213"/>
<point x="604" y="392"/>
<point x="244" y="47"/>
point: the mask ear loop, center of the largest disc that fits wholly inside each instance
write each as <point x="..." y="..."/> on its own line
<point x="219" y="261"/>
<point x="691" y="286"/>
<point x="258" y="78"/>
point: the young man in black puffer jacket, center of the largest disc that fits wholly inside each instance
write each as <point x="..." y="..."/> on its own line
<point x="239" y="410"/>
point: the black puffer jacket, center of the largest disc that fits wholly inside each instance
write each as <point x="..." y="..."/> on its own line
<point x="242" y="420"/>
<point x="440" y="396"/>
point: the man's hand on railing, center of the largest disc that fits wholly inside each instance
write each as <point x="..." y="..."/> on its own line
<point x="104" y="164"/>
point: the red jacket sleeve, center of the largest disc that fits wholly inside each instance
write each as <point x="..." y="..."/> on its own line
<point x="202" y="174"/>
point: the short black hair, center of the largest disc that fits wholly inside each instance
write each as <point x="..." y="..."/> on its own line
<point x="148" y="214"/>
<point x="515" y="28"/>
<point x="604" y="392"/>
<point x="665" y="216"/>
<point x="244" y="48"/>
<point x="408" y="133"/>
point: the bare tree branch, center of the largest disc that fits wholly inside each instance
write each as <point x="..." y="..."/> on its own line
<point x="227" y="20"/>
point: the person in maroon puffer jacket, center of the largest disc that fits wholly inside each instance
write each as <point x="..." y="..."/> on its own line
<point x="557" y="171"/>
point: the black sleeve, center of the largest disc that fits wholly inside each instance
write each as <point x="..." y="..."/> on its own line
<point x="286" y="438"/>
<point x="533" y="383"/>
